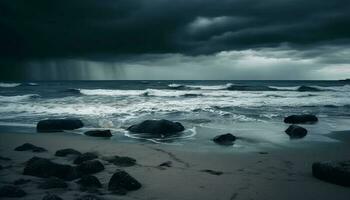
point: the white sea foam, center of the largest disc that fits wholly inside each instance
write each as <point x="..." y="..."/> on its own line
<point x="18" y="98"/>
<point x="9" y="85"/>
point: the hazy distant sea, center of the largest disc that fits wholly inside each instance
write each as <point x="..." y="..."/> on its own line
<point x="242" y="107"/>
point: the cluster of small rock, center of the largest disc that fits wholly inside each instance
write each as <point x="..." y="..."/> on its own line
<point x="56" y="175"/>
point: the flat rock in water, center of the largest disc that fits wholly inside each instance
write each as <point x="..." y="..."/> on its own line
<point x="30" y="147"/>
<point x="225" y="139"/>
<point x="157" y="127"/>
<point x="90" y="167"/>
<point x="333" y="172"/>
<point x="11" y="191"/>
<point x="44" y="168"/>
<point x="89" y="182"/>
<point x="121" y="161"/>
<point x="99" y="133"/>
<point x="121" y="180"/>
<point x="58" y="125"/>
<point x="66" y="152"/>
<point x="53" y="182"/>
<point x="300" y="119"/>
<point x="85" y="157"/>
<point x="51" y="197"/>
<point x="296" y="132"/>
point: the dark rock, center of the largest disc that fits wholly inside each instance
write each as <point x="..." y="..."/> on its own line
<point x="44" y="168"/>
<point x="226" y="139"/>
<point x="53" y="182"/>
<point x="1" y="167"/>
<point x="157" y="127"/>
<point x="58" y="125"/>
<point x="333" y="172"/>
<point x="121" y="161"/>
<point x="21" y="181"/>
<point x="99" y="133"/>
<point x="304" y="88"/>
<point x="90" y="167"/>
<point x="166" y="164"/>
<point x="296" y="132"/>
<point x="89" y="197"/>
<point x="89" y="182"/>
<point x="65" y="152"/>
<point x="85" y="157"/>
<point x="212" y="172"/>
<point x="51" y="197"/>
<point x="30" y="147"/>
<point x="11" y="191"/>
<point x="122" y="180"/>
<point x="300" y="119"/>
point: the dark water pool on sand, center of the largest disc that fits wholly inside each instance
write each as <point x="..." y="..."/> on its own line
<point x="253" y="109"/>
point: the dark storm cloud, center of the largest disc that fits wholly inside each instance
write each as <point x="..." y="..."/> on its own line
<point x="80" y="28"/>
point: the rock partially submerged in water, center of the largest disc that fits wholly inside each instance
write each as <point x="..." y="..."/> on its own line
<point x="53" y="182"/>
<point x="333" y="172"/>
<point x="85" y="157"/>
<point x="45" y="168"/>
<point x="99" y="133"/>
<point x="122" y="181"/>
<point x="11" y="191"/>
<point x="66" y="152"/>
<point x="304" y="88"/>
<point x="30" y="147"/>
<point x="157" y="127"/>
<point x="225" y="139"/>
<point x="300" y="119"/>
<point x="58" y="125"/>
<point x="296" y="132"/>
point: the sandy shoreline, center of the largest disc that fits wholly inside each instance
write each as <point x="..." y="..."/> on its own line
<point x="280" y="174"/>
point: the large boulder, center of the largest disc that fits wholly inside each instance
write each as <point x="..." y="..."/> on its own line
<point x="225" y="139"/>
<point x="121" y="180"/>
<point x="296" y="132"/>
<point x="51" y="197"/>
<point x="66" y="152"/>
<point x="333" y="172"/>
<point x="53" y="182"/>
<point x="30" y="147"/>
<point x="90" y="167"/>
<point x="11" y="191"/>
<point x="300" y="119"/>
<point x="85" y="157"/>
<point x="99" y="133"/>
<point x="157" y="127"/>
<point x="58" y="125"/>
<point x="44" y="168"/>
<point x="121" y="161"/>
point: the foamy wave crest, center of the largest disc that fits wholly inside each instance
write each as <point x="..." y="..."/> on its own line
<point x="18" y="98"/>
<point x="105" y="92"/>
<point x="9" y="85"/>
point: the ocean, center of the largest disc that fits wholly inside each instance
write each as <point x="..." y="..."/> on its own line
<point x="250" y="109"/>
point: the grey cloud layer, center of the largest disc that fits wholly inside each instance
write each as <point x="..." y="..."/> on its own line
<point x="81" y="28"/>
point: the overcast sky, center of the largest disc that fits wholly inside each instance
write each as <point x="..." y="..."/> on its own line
<point x="174" y="39"/>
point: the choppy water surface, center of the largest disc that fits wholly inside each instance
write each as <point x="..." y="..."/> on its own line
<point x="241" y="107"/>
